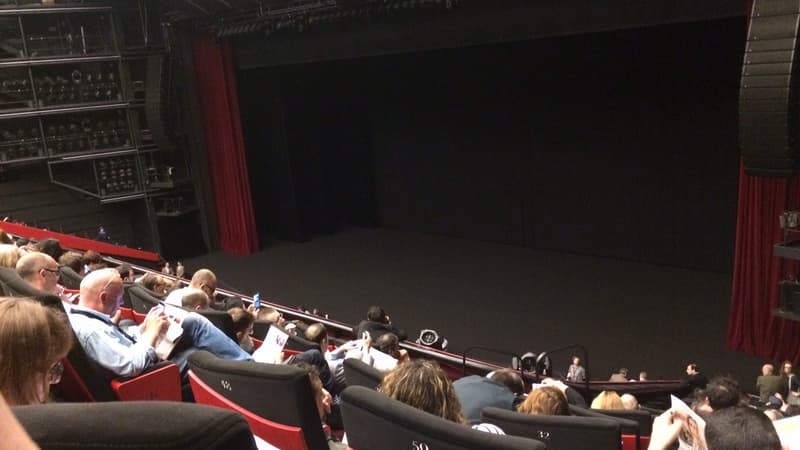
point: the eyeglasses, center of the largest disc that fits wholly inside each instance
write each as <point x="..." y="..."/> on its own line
<point x="55" y="372"/>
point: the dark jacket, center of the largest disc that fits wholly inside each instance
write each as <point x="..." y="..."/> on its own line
<point x="377" y="329"/>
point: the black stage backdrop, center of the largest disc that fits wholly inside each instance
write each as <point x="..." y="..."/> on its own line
<point x="620" y="144"/>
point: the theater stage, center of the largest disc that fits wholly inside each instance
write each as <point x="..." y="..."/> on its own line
<point x="639" y="316"/>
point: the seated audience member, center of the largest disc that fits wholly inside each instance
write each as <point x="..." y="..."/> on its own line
<point x="694" y="379"/>
<point x="358" y="348"/>
<point x="243" y="327"/>
<point x="619" y="377"/>
<point x="390" y="345"/>
<point x="324" y="402"/>
<point x="424" y="385"/>
<point x="721" y="392"/>
<point x="792" y="384"/>
<point x="629" y="401"/>
<point x="49" y="247"/>
<point x="769" y="384"/>
<point x="576" y="373"/>
<point x="607" y="400"/>
<point x="643" y="376"/>
<point x="128" y="354"/>
<point x="203" y="279"/>
<point x="93" y="261"/>
<point x="194" y="299"/>
<point x="158" y="284"/>
<point x="73" y="260"/>
<point x="125" y="272"/>
<point x="545" y="401"/>
<point x="272" y="315"/>
<point x="5" y="238"/>
<point x="500" y="388"/>
<point x="40" y="271"/>
<point x="377" y="324"/>
<point x="740" y="428"/>
<point x="9" y="255"/>
<point x="33" y="340"/>
<point x="573" y="397"/>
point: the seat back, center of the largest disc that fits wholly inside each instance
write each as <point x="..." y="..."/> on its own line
<point x="281" y="436"/>
<point x="145" y="425"/>
<point x="141" y="299"/>
<point x="278" y="393"/>
<point x="359" y="373"/>
<point x="628" y="426"/>
<point x="221" y="320"/>
<point x="373" y="420"/>
<point x="260" y="329"/>
<point x="69" y="278"/>
<point x="643" y="419"/>
<point x="559" y="432"/>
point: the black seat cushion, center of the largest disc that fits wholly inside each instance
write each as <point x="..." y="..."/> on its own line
<point x="359" y="373"/>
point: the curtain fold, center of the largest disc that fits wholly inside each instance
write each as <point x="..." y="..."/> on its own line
<point x="219" y="104"/>
<point x="752" y="328"/>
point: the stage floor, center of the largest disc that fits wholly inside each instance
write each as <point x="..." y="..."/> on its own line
<point x="639" y="316"/>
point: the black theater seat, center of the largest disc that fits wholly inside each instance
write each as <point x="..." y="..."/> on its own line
<point x="134" y="425"/>
<point x="374" y="421"/>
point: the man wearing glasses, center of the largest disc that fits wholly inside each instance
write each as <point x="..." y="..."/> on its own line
<point x="40" y="271"/>
<point x="129" y="352"/>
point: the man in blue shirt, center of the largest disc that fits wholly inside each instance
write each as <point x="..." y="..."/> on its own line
<point x="128" y="353"/>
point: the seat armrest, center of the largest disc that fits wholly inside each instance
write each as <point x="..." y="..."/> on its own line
<point x="162" y="383"/>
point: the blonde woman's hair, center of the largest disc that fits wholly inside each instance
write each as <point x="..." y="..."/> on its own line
<point x="9" y="255"/>
<point x="423" y="384"/>
<point x="32" y="338"/>
<point x="607" y="400"/>
<point x="545" y="401"/>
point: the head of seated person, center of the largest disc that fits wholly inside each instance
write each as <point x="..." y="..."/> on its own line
<point x="9" y="255"/>
<point x="740" y="428"/>
<point x="509" y="378"/>
<point x="33" y="340"/>
<point x="102" y="291"/>
<point x="206" y="281"/>
<point x="93" y="260"/>
<point x="125" y="271"/>
<point x="158" y="284"/>
<point x="5" y="238"/>
<point x="243" y="327"/>
<point x="545" y="401"/>
<point x="40" y="271"/>
<point x="629" y="401"/>
<point x="50" y="247"/>
<point x="424" y="385"/>
<point x="73" y="261"/>
<point x="271" y="315"/>
<point x="316" y="332"/>
<point x="607" y="400"/>
<point x="720" y="393"/>
<point x="377" y="314"/>
<point x="195" y="299"/>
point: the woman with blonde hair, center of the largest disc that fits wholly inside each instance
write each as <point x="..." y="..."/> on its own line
<point x="607" y="400"/>
<point x="423" y="384"/>
<point x="545" y="401"/>
<point x="33" y="340"/>
<point x="9" y="255"/>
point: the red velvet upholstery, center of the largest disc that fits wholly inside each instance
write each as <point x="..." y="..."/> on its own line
<point x="127" y="314"/>
<point x="281" y="436"/>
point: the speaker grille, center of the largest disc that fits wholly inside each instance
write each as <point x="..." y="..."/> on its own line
<point x="768" y="92"/>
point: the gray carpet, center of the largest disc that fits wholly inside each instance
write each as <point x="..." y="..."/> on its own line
<point x="639" y="316"/>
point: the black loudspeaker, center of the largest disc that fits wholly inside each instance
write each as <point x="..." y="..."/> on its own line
<point x="156" y="102"/>
<point x="768" y="94"/>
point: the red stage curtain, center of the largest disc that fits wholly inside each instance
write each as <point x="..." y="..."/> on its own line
<point x="219" y="102"/>
<point x="751" y="326"/>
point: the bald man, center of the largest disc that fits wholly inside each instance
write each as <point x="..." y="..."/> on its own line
<point x="203" y="279"/>
<point x="40" y="271"/>
<point x="128" y="353"/>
